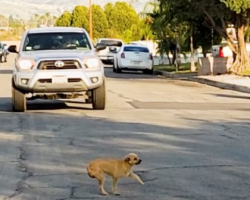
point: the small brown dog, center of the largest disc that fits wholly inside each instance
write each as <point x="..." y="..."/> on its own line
<point x="115" y="168"/>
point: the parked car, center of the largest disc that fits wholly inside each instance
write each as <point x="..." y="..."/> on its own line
<point x="133" y="57"/>
<point x="112" y="47"/>
<point x="3" y="52"/>
<point x="223" y="50"/>
<point x="57" y="63"/>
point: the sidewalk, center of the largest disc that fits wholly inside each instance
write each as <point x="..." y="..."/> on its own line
<point x="229" y="82"/>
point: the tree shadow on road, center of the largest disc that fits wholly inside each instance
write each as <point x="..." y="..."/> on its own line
<point x="45" y="156"/>
<point x="243" y="96"/>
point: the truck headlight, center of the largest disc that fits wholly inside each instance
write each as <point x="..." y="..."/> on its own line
<point x="25" y="64"/>
<point x="92" y="63"/>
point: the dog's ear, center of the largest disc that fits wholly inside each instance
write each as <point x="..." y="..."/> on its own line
<point x="127" y="159"/>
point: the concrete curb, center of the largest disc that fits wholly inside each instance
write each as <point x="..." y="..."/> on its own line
<point x="191" y="77"/>
<point x="227" y="86"/>
<point x="174" y="75"/>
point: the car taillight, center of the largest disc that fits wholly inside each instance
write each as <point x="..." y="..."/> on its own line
<point x="221" y="54"/>
<point x="150" y="57"/>
<point x="123" y="55"/>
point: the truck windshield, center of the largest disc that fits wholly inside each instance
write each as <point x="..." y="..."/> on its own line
<point x="55" y="41"/>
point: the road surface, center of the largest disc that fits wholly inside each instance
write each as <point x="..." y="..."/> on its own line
<point x="193" y="140"/>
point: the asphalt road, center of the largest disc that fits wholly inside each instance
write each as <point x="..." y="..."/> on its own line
<point x="193" y="140"/>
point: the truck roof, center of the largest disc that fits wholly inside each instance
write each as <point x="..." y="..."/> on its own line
<point x="56" y="29"/>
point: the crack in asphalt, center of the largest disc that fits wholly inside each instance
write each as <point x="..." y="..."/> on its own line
<point x="122" y="96"/>
<point x="59" y="128"/>
<point x="228" y="129"/>
<point x="9" y="161"/>
<point x="22" y="168"/>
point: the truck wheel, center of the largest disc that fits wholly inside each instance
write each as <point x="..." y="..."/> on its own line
<point x="18" y="100"/>
<point x="118" y="70"/>
<point x="147" y="71"/>
<point x="1" y="59"/>
<point x="114" y="69"/>
<point x="99" y="97"/>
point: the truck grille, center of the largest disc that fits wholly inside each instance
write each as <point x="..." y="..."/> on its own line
<point x="50" y="65"/>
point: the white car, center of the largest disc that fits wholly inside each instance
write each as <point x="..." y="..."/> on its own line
<point x="133" y="57"/>
<point x="112" y="47"/>
<point x="223" y="50"/>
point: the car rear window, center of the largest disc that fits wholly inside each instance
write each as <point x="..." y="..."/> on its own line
<point x="136" y="49"/>
<point x="112" y="43"/>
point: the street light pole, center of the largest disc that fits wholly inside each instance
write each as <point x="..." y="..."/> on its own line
<point x="90" y="20"/>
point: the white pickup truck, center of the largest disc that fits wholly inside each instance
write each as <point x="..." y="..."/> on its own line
<point x="112" y="47"/>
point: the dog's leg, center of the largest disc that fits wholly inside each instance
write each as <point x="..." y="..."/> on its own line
<point x="115" y="186"/>
<point x="134" y="176"/>
<point x="101" y="180"/>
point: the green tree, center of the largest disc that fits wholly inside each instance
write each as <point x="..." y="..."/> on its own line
<point x="80" y="17"/>
<point x="122" y="17"/>
<point x="128" y="36"/>
<point x="108" y="9"/>
<point x="64" y="19"/>
<point x="146" y="29"/>
<point x="167" y="29"/>
<point x="11" y="21"/>
<point x="219" y="14"/>
<point x="240" y="10"/>
<point x="204" y="37"/>
<point x="100" y="22"/>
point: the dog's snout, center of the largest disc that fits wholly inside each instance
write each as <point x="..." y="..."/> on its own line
<point x="139" y="162"/>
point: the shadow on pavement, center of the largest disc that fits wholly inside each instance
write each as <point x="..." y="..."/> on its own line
<point x="5" y="71"/>
<point x="5" y="105"/>
<point x="44" y="157"/>
<point x="232" y="96"/>
<point x="127" y="75"/>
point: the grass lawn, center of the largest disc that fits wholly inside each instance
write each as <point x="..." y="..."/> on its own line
<point x="184" y="68"/>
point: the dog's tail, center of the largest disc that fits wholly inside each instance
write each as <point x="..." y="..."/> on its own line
<point x="91" y="175"/>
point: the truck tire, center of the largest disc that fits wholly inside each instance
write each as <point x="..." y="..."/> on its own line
<point x="18" y="100"/>
<point x="118" y="70"/>
<point x="149" y="71"/>
<point x="99" y="98"/>
<point x="114" y="69"/>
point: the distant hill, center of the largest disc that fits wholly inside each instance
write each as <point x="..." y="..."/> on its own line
<point x="26" y="8"/>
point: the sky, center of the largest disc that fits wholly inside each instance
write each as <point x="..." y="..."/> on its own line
<point x="26" y="8"/>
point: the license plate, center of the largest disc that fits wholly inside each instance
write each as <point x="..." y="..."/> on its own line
<point x="136" y="62"/>
<point x="59" y="79"/>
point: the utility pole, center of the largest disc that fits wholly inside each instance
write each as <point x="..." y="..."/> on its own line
<point x="90" y="20"/>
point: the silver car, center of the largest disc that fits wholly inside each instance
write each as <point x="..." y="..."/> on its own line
<point x="57" y="63"/>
